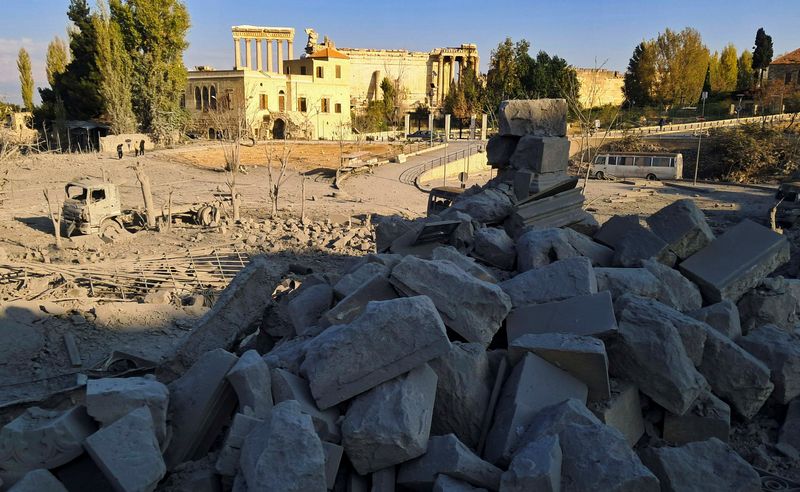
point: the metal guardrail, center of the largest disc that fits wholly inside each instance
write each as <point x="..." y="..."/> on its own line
<point x="702" y="125"/>
<point x="410" y="175"/>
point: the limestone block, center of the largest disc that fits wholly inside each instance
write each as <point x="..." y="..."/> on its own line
<point x="581" y="356"/>
<point x="341" y="362"/>
<point x="447" y="455"/>
<point x="553" y="420"/>
<point x="701" y="466"/>
<point x="41" y="438"/>
<point x="288" y="386"/>
<point x="780" y="351"/>
<point x="241" y="305"/>
<point x="464" y="262"/>
<point x="737" y="377"/>
<point x="350" y="282"/>
<point x="614" y="229"/>
<point x="771" y="302"/>
<point x="675" y="290"/>
<point x="288" y="354"/>
<point x="499" y="150"/>
<point x="541" y="154"/>
<point x="540" y="117"/>
<point x="622" y="411"/>
<point x="621" y="281"/>
<point x="588" y="225"/>
<point x="599" y="254"/>
<point x="632" y="243"/>
<point x="790" y="430"/>
<point x="333" y="458"/>
<point x="109" y="399"/>
<point x="555" y="282"/>
<point x="230" y="453"/>
<point x="533" y="385"/>
<point x="536" y="466"/>
<point x="305" y="309"/>
<point x="591" y="314"/>
<point x="387" y="229"/>
<point x="284" y="453"/>
<point x="683" y="226"/>
<point x="251" y="382"/>
<point x="708" y="417"/>
<point x="488" y="206"/>
<point x="127" y="452"/>
<point x="722" y="316"/>
<point x="493" y="246"/>
<point x="648" y="351"/>
<point x="736" y="261"/>
<point x="390" y="423"/>
<point x="472" y="308"/>
<point x="522" y="184"/>
<point x="539" y="247"/>
<point x="39" y="480"/>
<point x="199" y="402"/>
<point x="377" y="288"/>
<point x="446" y="483"/>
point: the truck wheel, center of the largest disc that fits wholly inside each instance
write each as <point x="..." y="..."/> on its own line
<point x="651" y="177"/>
<point x="204" y="216"/>
<point x="110" y="230"/>
<point x="599" y="175"/>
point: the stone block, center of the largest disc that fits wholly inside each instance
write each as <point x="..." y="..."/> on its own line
<point x="771" y="302"/>
<point x="288" y="386"/>
<point x="127" y="452"/>
<point x="555" y="282"/>
<point x="632" y="243"/>
<point x="109" y="399"/>
<point x="493" y="246"/>
<point x="735" y="376"/>
<point x="591" y="314"/>
<point x="556" y="210"/>
<point x="554" y="419"/>
<point x="675" y="290"/>
<point x="41" y="438"/>
<point x="614" y="229"/>
<point x="228" y="459"/>
<point x="239" y="307"/>
<point x="648" y="351"/>
<point x="341" y="362"/>
<point x="384" y="480"/>
<point x="284" y="453"/>
<point x="464" y="262"/>
<point x="465" y="380"/>
<point x="39" y="480"/>
<point x="448" y="456"/>
<point x="621" y="281"/>
<point x="472" y="308"/>
<point x="581" y="356"/>
<point x="307" y="307"/>
<point x="533" y="385"/>
<point x="536" y="466"/>
<point x="488" y="206"/>
<point x="522" y="184"/>
<point x="445" y="483"/>
<point x="199" y="403"/>
<point x="540" y="247"/>
<point x="499" y="150"/>
<point x="387" y="229"/>
<point x="708" y="417"/>
<point x="736" y="261"/>
<point x="540" y="117"/>
<point x="704" y="466"/>
<point x="390" y="423"/>
<point x="288" y="354"/>
<point x="541" y="154"/>
<point x="790" y="430"/>
<point x="333" y="458"/>
<point x="376" y="288"/>
<point x="251" y="382"/>
<point x="722" y="316"/>
<point x="780" y="351"/>
<point x="622" y="411"/>
<point x="682" y="226"/>
<point x="350" y="282"/>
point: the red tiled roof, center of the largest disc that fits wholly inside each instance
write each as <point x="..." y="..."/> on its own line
<point x="790" y="58"/>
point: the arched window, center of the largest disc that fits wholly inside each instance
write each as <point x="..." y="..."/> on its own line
<point x="198" y="100"/>
<point x="213" y="97"/>
<point x="205" y="98"/>
<point x="281" y="101"/>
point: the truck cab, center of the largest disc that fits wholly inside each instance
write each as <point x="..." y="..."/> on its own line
<point x="91" y="205"/>
<point x="788" y="197"/>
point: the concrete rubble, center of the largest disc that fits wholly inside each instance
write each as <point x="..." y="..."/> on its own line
<point x="516" y="354"/>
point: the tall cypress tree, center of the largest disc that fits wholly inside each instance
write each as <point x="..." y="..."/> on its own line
<point x="762" y="52"/>
<point x="114" y="68"/>
<point x="78" y="87"/>
<point x="638" y="82"/>
<point x="25" y="78"/>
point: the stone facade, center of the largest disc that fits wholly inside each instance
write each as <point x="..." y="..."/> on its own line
<point x="599" y="87"/>
<point x="786" y="69"/>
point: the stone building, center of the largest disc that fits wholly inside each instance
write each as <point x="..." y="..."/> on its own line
<point x="276" y="94"/>
<point x="786" y="68"/>
<point x="599" y="87"/>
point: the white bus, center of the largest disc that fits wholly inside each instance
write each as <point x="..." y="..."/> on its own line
<point x="649" y="165"/>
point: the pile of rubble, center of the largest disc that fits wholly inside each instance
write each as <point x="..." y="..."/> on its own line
<point x="461" y="356"/>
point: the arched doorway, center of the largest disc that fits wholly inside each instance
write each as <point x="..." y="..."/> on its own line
<point x="212" y="134"/>
<point x="279" y="129"/>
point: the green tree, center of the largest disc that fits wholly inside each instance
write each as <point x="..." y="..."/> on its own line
<point x="420" y="114"/>
<point x="681" y="62"/>
<point x="707" y="81"/>
<point x="57" y="59"/>
<point x="389" y="109"/>
<point x="762" y="53"/>
<point x="744" y="75"/>
<point x="641" y="74"/>
<point x="714" y="75"/>
<point x="728" y="68"/>
<point x="114" y="67"/>
<point x="25" y="78"/>
<point x="503" y="78"/>
<point x="154" y="33"/>
<point x="78" y="87"/>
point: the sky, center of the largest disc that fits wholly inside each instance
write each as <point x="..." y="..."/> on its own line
<point x="597" y="33"/>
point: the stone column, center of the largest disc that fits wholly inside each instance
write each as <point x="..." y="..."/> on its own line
<point x="270" y="61"/>
<point x="290" y="54"/>
<point x="483" y="126"/>
<point x="248" y="52"/>
<point x="439" y="79"/>
<point x="430" y="121"/>
<point x="476" y="65"/>
<point x="447" y="128"/>
<point x="408" y="124"/>
<point x="280" y="57"/>
<point x="259" y="55"/>
<point x="237" y="50"/>
<point x="452" y="71"/>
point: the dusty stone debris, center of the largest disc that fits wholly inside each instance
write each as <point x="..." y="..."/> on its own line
<point x="505" y="355"/>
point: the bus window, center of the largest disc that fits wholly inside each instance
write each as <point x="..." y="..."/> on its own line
<point x="624" y="161"/>
<point x="662" y="162"/>
<point x="641" y="161"/>
<point x="612" y="160"/>
<point x="600" y="160"/>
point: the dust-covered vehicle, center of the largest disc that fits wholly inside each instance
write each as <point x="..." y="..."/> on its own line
<point x="788" y="210"/>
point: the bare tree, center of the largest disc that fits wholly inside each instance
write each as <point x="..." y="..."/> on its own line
<point x="55" y="217"/>
<point x="147" y="194"/>
<point x="276" y="172"/>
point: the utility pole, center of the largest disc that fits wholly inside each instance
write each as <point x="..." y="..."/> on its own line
<point x="703" y="96"/>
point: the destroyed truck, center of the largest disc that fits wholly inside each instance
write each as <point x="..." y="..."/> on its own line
<point x="92" y="206"/>
<point x="788" y="204"/>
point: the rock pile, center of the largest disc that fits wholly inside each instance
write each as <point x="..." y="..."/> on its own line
<point x="545" y="360"/>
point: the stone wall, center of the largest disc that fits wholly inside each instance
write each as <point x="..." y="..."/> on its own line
<point x="369" y="67"/>
<point x="600" y="87"/>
